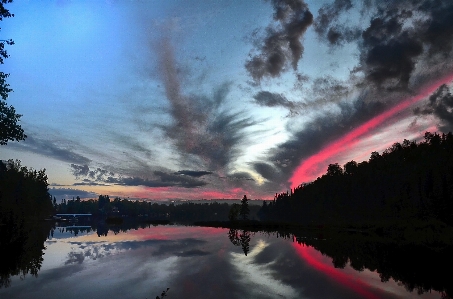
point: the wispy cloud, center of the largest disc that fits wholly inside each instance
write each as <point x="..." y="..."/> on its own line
<point x="203" y="129"/>
<point x="50" y="148"/>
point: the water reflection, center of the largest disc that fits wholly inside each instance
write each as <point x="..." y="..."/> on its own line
<point x="416" y="267"/>
<point x="240" y="238"/>
<point x="22" y="247"/>
<point x="99" y="261"/>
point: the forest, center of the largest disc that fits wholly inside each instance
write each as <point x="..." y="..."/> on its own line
<point x="23" y="193"/>
<point x="408" y="181"/>
<point x="184" y="212"/>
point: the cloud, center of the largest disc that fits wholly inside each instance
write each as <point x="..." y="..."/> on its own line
<point x="403" y="41"/>
<point x="389" y="52"/>
<point x="281" y="46"/>
<point x="69" y="193"/>
<point x="400" y="52"/>
<point x="102" y="177"/>
<point x="304" y="142"/>
<point x="49" y="148"/>
<point x="183" y="247"/>
<point x="267" y="171"/>
<point x="87" y="182"/>
<point x="440" y="104"/>
<point x="327" y="24"/>
<point x="269" y="99"/>
<point x="240" y="176"/>
<point x="203" y="130"/>
<point x="80" y="170"/>
<point x="193" y="173"/>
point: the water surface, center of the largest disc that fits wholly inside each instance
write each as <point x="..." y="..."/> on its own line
<point x="194" y="262"/>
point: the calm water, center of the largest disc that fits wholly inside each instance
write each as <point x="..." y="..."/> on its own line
<point x="193" y="262"/>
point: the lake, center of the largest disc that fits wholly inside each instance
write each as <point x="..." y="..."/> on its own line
<point x="200" y="262"/>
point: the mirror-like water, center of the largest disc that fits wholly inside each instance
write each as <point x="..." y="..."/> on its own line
<point x="194" y="262"/>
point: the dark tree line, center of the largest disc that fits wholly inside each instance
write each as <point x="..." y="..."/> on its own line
<point x="184" y="212"/>
<point x="23" y="194"/>
<point x="409" y="180"/>
<point x="24" y="201"/>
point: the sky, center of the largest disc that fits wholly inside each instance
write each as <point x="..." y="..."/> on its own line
<point x="177" y="99"/>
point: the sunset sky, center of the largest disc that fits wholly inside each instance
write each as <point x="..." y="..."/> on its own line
<point x="216" y="99"/>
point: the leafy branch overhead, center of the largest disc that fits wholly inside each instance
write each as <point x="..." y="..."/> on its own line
<point x="10" y="130"/>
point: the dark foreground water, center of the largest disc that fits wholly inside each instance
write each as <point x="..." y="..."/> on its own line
<point x="194" y="262"/>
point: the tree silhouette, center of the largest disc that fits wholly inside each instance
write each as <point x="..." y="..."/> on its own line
<point x="244" y="238"/>
<point x="163" y="294"/>
<point x="245" y="211"/>
<point x="409" y="180"/>
<point x="10" y="130"/>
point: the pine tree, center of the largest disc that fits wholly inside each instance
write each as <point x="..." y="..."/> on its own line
<point x="244" y="213"/>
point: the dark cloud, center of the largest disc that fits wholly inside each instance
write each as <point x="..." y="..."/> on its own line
<point x="327" y="24"/>
<point x="269" y="99"/>
<point x="87" y="182"/>
<point x="438" y="33"/>
<point x="203" y="130"/>
<point x="80" y="170"/>
<point x="178" y="180"/>
<point x="163" y="180"/>
<point x="240" y="176"/>
<point x="403" y="38"/>
<point x="281" y="46"/>
<point x="389" y="52"/>
<point x="325" y="90"/>
<point x="57" y="185"/>
<point x="440" y="104"/>
<point x="267" y="171"/>
<point x="193" y="173"/>
<point x="50" y="149"/>
<point x="100" y="177"/>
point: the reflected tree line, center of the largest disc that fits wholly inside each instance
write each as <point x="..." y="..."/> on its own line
<point x="408" y="181"/>
<point x="418" y="268"/>
<point x="22" y="247"/>
<point x="24" y="203"/>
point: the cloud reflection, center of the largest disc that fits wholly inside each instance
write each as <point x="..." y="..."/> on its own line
<point x="260" y="278"/>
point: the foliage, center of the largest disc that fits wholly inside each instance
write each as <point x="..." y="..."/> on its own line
<point x="23" y="193"/>
<point x="245" y="211"/>
<point x="10" y="130"/>
<point x="163" y="294"/>
<point x="184" y="212"/>
<point x="235" y="209"/>
<point x="408" y="181"/>
<point x="24" y="203"/>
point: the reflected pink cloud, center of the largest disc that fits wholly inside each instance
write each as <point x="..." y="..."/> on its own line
<point x="314" y="259"/>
